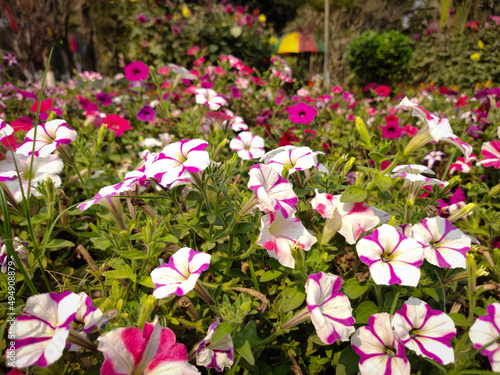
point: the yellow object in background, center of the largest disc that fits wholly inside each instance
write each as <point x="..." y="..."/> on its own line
<point x="480" y="44"/>
<point x="475" y="56"/>
<point x="185" y="11"/>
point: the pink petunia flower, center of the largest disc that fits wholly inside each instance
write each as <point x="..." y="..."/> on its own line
<point x="217" y="355"/>
<point x="248" y="146"/>
<point x="444" y="245"/>
<point x="380" y="351"/>
<point x="391" y="257"/>
<point x="331" y="311"/>
<point x="117" y="123"/>
<point x="180" y="274"/>
<point x="485" y="330"/>
<point x="279" y="234"/>
<point x="491" y="154"/>
<point x="461" y="166"/>
<point x="426" y="331"/>
<point x="146" y="114"/>
<point x="301" y="113"/>
<point x="136" y="71"/>
<point x="152" y="351"/>
<point x="383" y="90"/>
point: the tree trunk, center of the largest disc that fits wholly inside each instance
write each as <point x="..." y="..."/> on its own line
<point x="89" y="57"/>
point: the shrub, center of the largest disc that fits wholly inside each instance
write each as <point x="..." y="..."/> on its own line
<point x="380" y="58"/>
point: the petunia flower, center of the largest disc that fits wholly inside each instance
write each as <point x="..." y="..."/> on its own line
<point x="301" y="113"/>
<point x="217" y="355"/>
<point x="380" y="351"/>
<point x="485" y="330"/>
<point x="461" y="166"/>
<point x="104" y="99"/>
<point x="42" y="169"/>
<point x="426" y="331"/>
<point x="291" y="158"/>
<point x="136" y="71"/>
<point x="349" y="219"/>
<point x="42" y="330"/>
<point x="20" y="249"/>
<point x="117" y="123"/>
<point x="180" y="274"/>
<point x="271" y="190"/>
<point x="433" y="157"/>
<point x="152" y="351"/>
<point x="279" y="234"/>
<point x="391" y="257"/>
<point x="49" y="136"/>
<point x="412" y="174"/>
<point x="331" y="312"/>
<point x="491" y="154"/>
<point x="444" y="245"/>
<point x="435" y="129"/>
<point x="5" y="130"/>
<point x="177" y="161"/>
<point x="86" y="319"/>
<point x="209" y="97"/>
<point x="146" y="114"/>
<point x="247" y="145"/>
<point x="182" y="72"/>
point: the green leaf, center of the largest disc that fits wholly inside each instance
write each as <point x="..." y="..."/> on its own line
<point x="222" y="264"/>
<point x="376" y="157"/>
<point x="353" y="289"/>
<point x="348" y="362"/>
<point x="431" y="292"/>
<point x="221" y="331"/>
<point x="459" y="319"/>
<point x="250" y="332"/>
<point x="169" y="238"/>
<point x="132" y="254"/>
<point x="243" y="347"/>
<point x="244" y="228"/>
<point x="270" y="275"/>
<point x="364" y="311"/>
<point x="293" y="297"/>
<point x="58" y="244"/>
<point x="101" y="243"/>
<point x="146" y="281"/>
<point x="119" y="274"/>
<point x="353" y="194"/>
<point x="383" y="182"/>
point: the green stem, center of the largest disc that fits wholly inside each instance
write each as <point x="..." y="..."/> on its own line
<point x="395" y="302"/>
<point x="252" y="273"/>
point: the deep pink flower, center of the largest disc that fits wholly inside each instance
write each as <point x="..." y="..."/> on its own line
<point x="491" y="153"/>
<point x="146" y="114"/>
<point x="383" y="90"/>
<point x="44" y="106"/>
<point x="87" y="104"/>
<point x="301" y="113"/>
<point x="136" y="71"/>
<point x="391" y="130"/>
<point x="117" y="123"/>
<point x="104" y="99"/>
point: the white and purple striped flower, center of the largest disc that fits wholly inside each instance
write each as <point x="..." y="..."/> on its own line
<point x="180" y="274"/>
<point x="350" y="219"/>
<point x="175" y="163"/>
<point x="391" y="257"/>
<point x="209" y="97"/>
<point x="279" y="234"/>
<point x="291" y="158"/>
<point x="49" y="136"/>
<point x="444" y="245"/>
<point x="247" y="145"/>
<point x="42" y="330"/>
<point x="411" y="173"/>
<point x="152" y="351"/>
<point x="87" y="318"/>
<point x="426" y="331"/>
<point x="217" y="355"/>
<point x="485" y="330"/>
<point x="380" y="351"/>
<point x="491" y="153"/>
<point x="435" y="129"/>
<point x="331" y="311"/>
<point x="5" y="130"/>
<point x="20" y="249"/>
<point x="272" y="191"/>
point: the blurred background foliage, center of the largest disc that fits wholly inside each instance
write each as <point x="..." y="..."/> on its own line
<point x="104" y="35"/>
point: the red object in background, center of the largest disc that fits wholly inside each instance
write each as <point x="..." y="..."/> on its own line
<point x="73" y="43"/>
<point x="11" y="19"/>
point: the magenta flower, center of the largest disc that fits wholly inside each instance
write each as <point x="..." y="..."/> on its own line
<point x="104" y="99"/>
<point x="491" y="153"/>
<point x="380" y="351"/>
<point x="247" y="145"/>
<point x="217" y="355"/>
<point x="49" y="136"/>
<point x="87" y="104"/>
<point x="391" y="130"/>
<point x="485" y="330"/>
<point x="177" y="161"/>
<point x="426" y="331"/>
<point x="152" y="351"/>
<point x="279" y="234"/>
<point x="10" y="59"/>
<point x="383" y="90"/>
<point x="444" y="245"/>
<point x="146" y="114"/>
<point x="272" y="191"/>
<point x="331" y="312"/>
<point x="180" y="274"/>
<point x="461" y="166"/>
<point x="391" y="257"/>
<point x="136" y="71"/>
<point x="42" y="330"/>
<point x="301" y="113"/>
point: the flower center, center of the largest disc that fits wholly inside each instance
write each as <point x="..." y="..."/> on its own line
<point x="391" y="352"/>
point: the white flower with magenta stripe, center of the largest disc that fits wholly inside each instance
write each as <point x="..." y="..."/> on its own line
<point x="391" y="257"/>
<point x="331" y="311"/>
<point x="152" y="351"/>
<point x="291" y="158"/>
<point x="485" y="330"/>
<point x="217" y="355"/>
<point x="444" y="245"/>
<point x="209" y="97"/>
<point x="426" y="331"/>
<point x="247" y="145"/>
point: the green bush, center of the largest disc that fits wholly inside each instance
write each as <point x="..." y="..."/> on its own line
<point x="458" y="59"/>
<point x="379" y="58"/>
